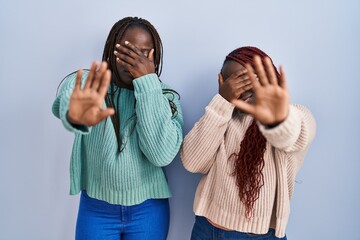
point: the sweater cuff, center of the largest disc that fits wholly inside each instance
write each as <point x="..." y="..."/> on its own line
<point x="288" y="130"/>
<point x="63" y="110"/>
<point x="147" y="83"/>
<point x="221" y="106"/>
<point x="81" y="129"/>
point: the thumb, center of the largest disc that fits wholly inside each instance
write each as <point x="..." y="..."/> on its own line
<point x="151" y="55"/>
<point x="243" y="106"/>
<point x="105" y="113"/>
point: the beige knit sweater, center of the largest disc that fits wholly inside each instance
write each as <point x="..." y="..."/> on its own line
<point x="207" y="148"/>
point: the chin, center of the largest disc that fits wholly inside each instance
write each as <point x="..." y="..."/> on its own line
<point x="128" y="80"/>
<point x="251" y="101"/>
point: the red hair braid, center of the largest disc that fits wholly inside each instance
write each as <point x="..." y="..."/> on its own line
<point x="249" y="162"/>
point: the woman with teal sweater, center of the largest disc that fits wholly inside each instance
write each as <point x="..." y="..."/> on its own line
<point x="127" y="125"/>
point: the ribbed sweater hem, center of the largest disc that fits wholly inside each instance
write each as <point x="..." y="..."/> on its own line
<point x="126" y="198"/>
<point x="238" y="222"/>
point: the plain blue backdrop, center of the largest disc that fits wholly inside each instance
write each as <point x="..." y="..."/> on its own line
<point x="318" y="43"/>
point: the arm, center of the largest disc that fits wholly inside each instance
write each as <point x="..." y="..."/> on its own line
<point x="160" y="133"/>
<point x="288" y="128"/>
<point x="203" y="141"/>
<point x="295" y="133"/>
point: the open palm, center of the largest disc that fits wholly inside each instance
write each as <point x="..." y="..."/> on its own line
<point x="271" y="94"/>
<point x="86" y="104"/>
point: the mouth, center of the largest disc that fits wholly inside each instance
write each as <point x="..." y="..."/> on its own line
<point x="128" y="73"/>
<point x="246" y="97"/>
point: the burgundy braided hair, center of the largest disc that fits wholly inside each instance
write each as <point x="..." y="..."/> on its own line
<point x="249" y="162"/>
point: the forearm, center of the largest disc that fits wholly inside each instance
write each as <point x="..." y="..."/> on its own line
<point x="159" y="130"/>
<point x="295" y="133"/>
<point x="202" y="142"/>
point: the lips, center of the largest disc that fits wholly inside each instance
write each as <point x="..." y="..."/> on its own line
<point x="246" y="97"/>
<point x="128" y="73"/>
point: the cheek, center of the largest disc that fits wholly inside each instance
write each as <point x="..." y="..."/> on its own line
<point x="119" y="68"/>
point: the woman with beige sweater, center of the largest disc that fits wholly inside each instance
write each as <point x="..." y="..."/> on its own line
<point x="249" y="146"/>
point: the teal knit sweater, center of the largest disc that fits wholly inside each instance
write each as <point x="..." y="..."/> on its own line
<point x="151" y="136"/>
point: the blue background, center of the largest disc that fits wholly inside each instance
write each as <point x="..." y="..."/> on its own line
<point x="41" y="41"/>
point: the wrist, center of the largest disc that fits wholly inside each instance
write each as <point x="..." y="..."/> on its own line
<point x="275" y="123"/>
<point x="71" y="120"/>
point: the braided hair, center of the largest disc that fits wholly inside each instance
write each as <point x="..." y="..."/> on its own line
<point x="249" y="162"/>
<point x="115" y="34"/>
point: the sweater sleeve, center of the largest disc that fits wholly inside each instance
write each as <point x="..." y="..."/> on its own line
<point x="159" y="130"/>
<point x="295" y="133"/>
<point x="60" y="106"/>
<point x="202" y="143"/>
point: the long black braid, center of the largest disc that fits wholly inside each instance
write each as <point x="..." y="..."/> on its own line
<point x="115" y="34"/>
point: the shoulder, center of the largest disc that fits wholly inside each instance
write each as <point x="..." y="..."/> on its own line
<point x="165" y="85"/>
<point x="168" y="90"/>
<point x="69" y="80"/>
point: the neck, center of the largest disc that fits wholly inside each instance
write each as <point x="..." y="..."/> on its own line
<point x="121" y="84"/>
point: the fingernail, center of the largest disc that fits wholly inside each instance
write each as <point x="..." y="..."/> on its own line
<point x="126" y="42"/>
<point x="117" y="45"/>
<point x="115" y="52"/>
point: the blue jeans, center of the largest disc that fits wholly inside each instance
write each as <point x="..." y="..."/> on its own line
<point x="203" y="230"/>
<point x="99" y="220"/>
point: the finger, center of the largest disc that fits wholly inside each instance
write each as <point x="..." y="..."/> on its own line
<point x="151" y="55"/>
<point x="243" y="85"/>
<point x="105" y="82"/>
<point x="238" y="79"/>
<point x="238" y="74"/>
<point x="126" y="58"/>
<point x="121" y="49"/>
<point x="243" y="89"/>
<point x="270" y="71"/>
<point x="253" y="77"/>
<point x="259" y="68"/>
<point x="244" y="106"/>
<point x="220" y="79"/>
<point x="241" y="81"/>
<point x="105" y="113"/>
<point x="282" y="80"/>
<point x="133" y="48"/>
<point x="77" y="86"/>
<point x="91" y="74"/>
<point x="244" y="77"/>
<point x="124" y="64"/>
<point x="99" y="75"/>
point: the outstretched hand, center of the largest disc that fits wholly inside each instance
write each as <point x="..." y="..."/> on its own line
<point x="271" y="94"/>
<point x="86" y="104"/>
